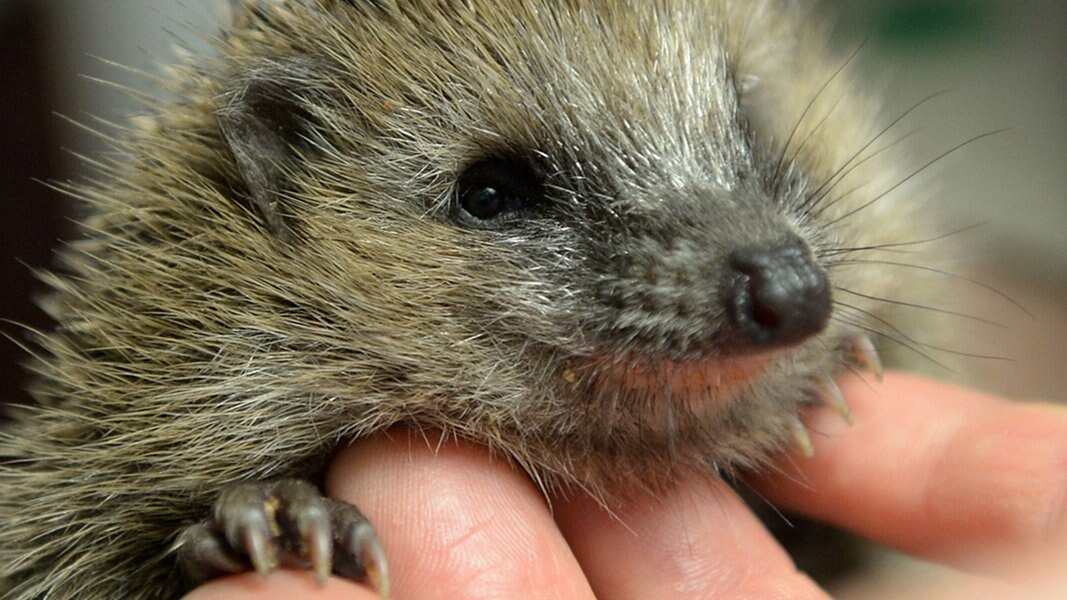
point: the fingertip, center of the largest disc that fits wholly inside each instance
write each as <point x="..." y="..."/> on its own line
<point x="933" y="469"/>
<point x="281" y="585"/>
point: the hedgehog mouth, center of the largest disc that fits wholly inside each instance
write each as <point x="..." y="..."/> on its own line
<point x="696" y="383"/>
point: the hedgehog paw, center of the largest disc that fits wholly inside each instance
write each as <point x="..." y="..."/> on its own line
<point x="285" y="523"/>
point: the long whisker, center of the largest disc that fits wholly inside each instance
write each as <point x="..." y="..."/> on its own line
<point x="898" y="338"/>
<point x="890" y="246"/>
<point x="921" y="307"/>
<point x="914" y="174"/>
<point x="896" y="331"/>
<point x="814" y="130"/>
<point x="911" y="343"/>
<point x="874" y="139"/>
<point x="816" y="200"/>
<point x="776" y="178"/>
<point x="987" y="287"/>
<point x="907" y="341"/>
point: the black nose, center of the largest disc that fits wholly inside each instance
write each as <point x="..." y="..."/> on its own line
<point x="780" y="296"/>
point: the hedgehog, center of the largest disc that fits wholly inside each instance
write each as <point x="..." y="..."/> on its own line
<point x="609" y="243"/>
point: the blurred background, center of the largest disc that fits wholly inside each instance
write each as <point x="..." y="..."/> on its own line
<point x="1002" y="64"/>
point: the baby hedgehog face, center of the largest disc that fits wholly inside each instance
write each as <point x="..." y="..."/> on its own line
<point x="580" y="234"/>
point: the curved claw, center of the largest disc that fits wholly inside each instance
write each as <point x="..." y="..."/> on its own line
<point x="801" y="437"/>
<point x="248" y="518"/>
<point x="259" y="547"/>
<point x="288" y="522"/>
<point x="374" y="560"/>
<point x="203" y="553"/>
<point x="865" y="355"/>
<point x="302" y="506"/>
<point x="315" y="529"/>
<point x="828" y="391"/>
<point x="357" y="552"/>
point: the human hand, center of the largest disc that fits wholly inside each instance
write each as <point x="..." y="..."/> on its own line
<point x="931" y="469"/>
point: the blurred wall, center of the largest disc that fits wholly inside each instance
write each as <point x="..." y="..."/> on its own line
<point x="111" y="40"/>
<point x="50" y="50"/>
<point x="1004" y="65"/>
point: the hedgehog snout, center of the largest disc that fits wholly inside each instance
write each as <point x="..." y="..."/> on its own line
<point x="779" y="296"/>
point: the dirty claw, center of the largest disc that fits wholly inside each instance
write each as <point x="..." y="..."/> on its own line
<point x="287" y="523"/>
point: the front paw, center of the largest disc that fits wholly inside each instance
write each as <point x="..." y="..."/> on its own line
<point x="265" y="525"/>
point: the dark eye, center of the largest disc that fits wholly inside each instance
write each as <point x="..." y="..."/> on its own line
<point x="495" y="187"/>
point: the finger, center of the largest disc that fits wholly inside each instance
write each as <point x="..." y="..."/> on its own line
<point x="698" y="540"/>
<point x="283" y="585"/>
<point x="948" y="584"/>
<point x="455" y="522"/>
<point x="935" y="470"/>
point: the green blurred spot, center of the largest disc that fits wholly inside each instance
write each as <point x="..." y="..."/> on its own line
<point x="926" y="23"/>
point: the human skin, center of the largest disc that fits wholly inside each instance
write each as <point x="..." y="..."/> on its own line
<point x="935" y="470"/>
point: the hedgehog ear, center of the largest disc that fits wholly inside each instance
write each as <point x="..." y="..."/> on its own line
<point x="266" y="124"/>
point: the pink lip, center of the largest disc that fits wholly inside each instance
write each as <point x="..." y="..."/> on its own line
<point x="690" y="381"/>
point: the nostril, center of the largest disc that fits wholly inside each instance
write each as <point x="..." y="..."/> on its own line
<point x="780" y="295"/>
<point x="765" y="313"/>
